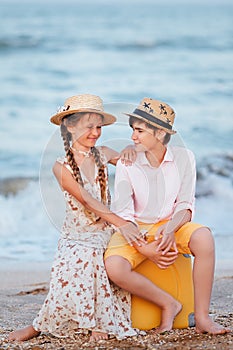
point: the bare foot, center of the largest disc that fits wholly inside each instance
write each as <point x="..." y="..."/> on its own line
<point x="209" y="326"/>
<point x="23" y="334"/>
<point x="168" y="315"/>
<point x="98" y="336"/>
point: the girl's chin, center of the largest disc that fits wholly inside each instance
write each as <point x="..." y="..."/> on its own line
<point x="91" y="143"/>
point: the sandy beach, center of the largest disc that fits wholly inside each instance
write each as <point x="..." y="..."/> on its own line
<point x="24" y="287"/>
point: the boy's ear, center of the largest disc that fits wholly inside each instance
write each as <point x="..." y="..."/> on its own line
<point x="160" y="134"/>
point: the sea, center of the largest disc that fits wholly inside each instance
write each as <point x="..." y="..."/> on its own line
<point x="179" y="52"/>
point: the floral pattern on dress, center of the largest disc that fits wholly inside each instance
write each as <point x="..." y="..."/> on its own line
<point x="81" y="297"/>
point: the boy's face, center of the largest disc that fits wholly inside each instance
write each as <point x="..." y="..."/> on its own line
<point x="143" y="137"/>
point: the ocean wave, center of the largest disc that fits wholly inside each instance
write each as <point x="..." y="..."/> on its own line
<point x="22" y="41"/>
<point x="214" y="175"/>
<point x="13" y="185"/>
<point x="19" y="42"/>
<point x="219" y="166"/>
<point x="184" y="43"/>
<point x="32" y="210"/>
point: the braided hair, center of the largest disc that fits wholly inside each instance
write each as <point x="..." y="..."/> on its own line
<point x="72" y="119"/>
<point x="102" y="177"/>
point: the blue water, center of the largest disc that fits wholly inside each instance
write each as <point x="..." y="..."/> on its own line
<point x="179" y="52"/>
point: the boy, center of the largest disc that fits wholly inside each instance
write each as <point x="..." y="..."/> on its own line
<point x="157" y="193"/>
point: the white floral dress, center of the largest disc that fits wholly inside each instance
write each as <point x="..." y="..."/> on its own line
<point x="81" y="297"/>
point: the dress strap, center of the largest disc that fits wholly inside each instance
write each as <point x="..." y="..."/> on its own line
<point x="63" y="160"/>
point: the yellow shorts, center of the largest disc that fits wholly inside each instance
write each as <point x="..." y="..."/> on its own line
<point x="119" y="246"/>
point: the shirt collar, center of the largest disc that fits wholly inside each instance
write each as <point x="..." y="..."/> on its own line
<point x="168" y="157"/>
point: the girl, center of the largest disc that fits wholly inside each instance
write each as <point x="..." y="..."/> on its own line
<point x="80" y="296"/>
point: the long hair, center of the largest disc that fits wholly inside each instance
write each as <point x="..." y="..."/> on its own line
<point x="72" y="120"/>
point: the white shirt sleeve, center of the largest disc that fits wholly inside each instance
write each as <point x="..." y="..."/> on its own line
<point x="186" y="196"/>
<point x="123" y="204"/>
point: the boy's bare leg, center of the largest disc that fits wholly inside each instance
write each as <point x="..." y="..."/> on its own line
<point x="202" y="247"/>
<point x="120" y="272"/>
<point x="23" y="334"/>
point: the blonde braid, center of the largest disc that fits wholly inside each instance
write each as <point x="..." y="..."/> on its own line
<point x="105" y="194"/>
<point x="66" y="136"/>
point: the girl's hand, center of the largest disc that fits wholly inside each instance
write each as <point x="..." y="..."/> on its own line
<point x="128" y="155"/>
<point x="167" y="239"/>
<point x="132" y="234"/>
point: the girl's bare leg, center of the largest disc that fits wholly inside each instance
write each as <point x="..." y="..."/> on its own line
<point x="202" y="247"/>
<point x="120" y="272"/>
<point x="23" y="334"/>
<point x="95" y="336"/>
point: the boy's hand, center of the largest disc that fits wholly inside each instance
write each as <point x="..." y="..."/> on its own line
<point x="167" y="239"/>
<point x="152" y="252"/>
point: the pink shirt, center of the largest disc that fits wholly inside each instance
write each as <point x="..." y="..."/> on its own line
<point x="149" y="194"/>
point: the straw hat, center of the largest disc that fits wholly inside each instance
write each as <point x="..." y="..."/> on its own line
<point x="82" y="103"/>
<point x="156" y="113"/>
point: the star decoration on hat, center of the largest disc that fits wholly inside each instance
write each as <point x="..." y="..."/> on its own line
<point x="162" y="109"/>
<point x="146" y="105"/>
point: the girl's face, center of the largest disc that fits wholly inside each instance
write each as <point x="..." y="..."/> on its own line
<point x="86" y="131"/>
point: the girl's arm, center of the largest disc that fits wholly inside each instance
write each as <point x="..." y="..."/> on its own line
<point x="69" y="184"/>
<point x="111" y="155"/>
<point x="127" y="155"/>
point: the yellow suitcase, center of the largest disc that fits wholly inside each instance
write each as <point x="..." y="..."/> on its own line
<point x="177" y="281"/>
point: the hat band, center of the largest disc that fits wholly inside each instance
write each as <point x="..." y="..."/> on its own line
<point x="152" y="118"/>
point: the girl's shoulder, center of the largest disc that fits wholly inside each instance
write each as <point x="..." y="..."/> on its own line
<point x="103" y="152"/>
<point x="63" y="161"/>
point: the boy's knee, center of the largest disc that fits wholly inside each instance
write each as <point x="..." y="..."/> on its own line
<point x="202" y="234"/>
<point x="202" y="240"/>
<point x="115" y="267"/>
<point x="112" y="265"/>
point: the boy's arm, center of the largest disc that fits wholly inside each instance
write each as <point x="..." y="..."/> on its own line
<point x="184" y="205"/>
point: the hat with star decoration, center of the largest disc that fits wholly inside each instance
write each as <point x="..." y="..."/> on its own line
<point x="156" y="113"/>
